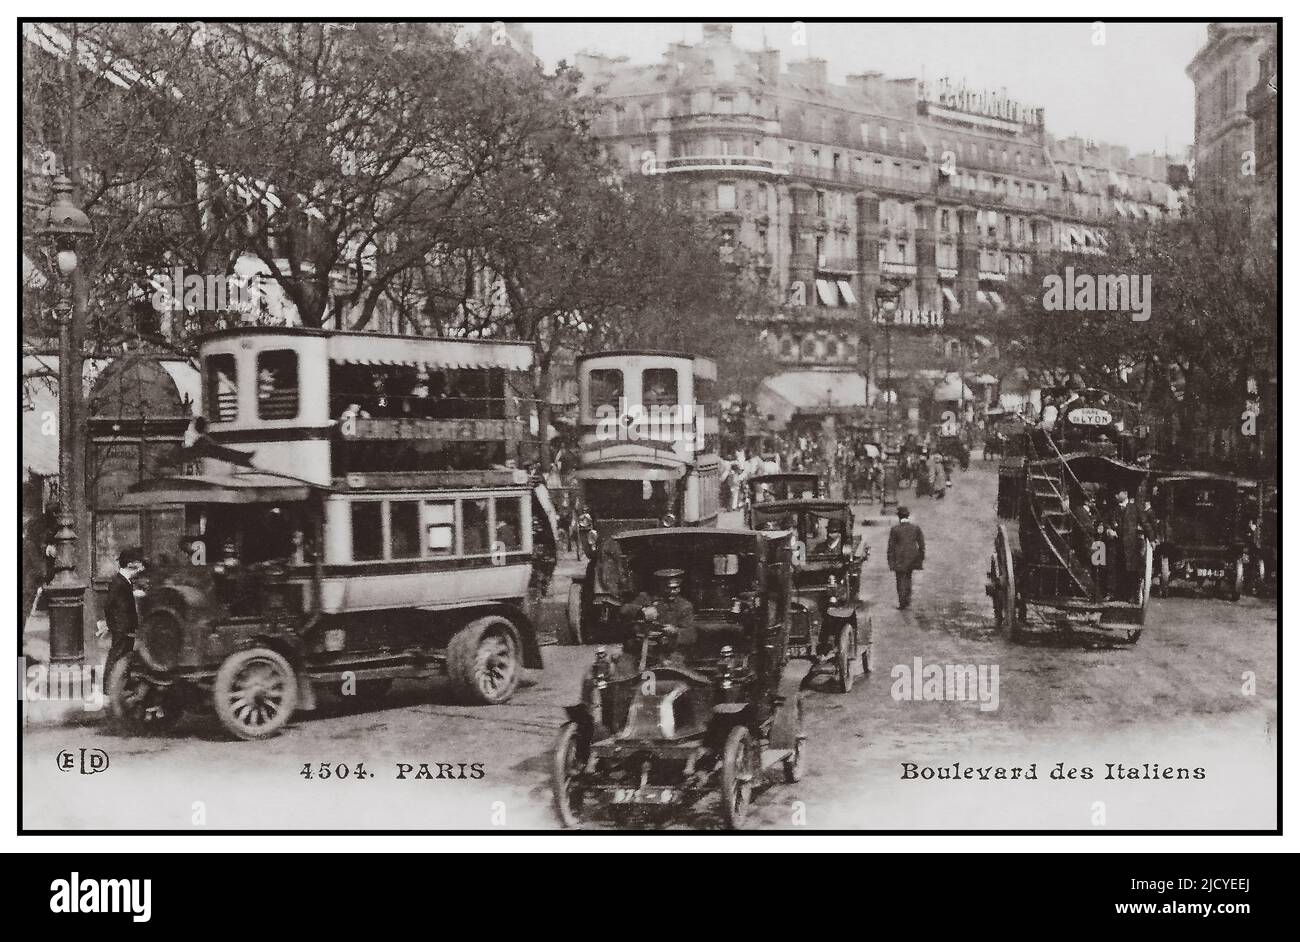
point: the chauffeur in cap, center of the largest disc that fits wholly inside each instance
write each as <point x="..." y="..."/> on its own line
<point x="666" y="606"/>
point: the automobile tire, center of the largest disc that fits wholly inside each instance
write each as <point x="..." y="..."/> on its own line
<point x="793" y="765"/>
<point x="571" y="631"/>
<point x="565" y="767"/>
<point x="483" y="660"/>
<point x="255" y="693"/>
<point x="844" y="658"/>
<point x="1236" y="579"/>
<point x="737" y="777"/>
<point x="136" y="704"/>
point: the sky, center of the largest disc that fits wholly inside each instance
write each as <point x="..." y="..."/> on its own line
<point x="1128" y="88"/>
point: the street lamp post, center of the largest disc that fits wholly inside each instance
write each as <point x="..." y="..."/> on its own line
<point x="886" y="306"/>
<point x="63" y="224"/>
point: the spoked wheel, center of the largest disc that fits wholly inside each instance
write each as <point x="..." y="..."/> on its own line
<point x="844" y="657"/>
<point x="793" y="764"/>
<point x="737" y="777"/>
<point x="136" y="703"/>
<point x="255" y="693"/>
<point x="567" y="767"/>
<point x="483" y="660"/>
<point x="1005" y="603"/>
<point x="1236" y="579"/>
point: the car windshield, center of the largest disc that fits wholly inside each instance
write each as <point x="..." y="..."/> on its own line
<point x="1200" y="512"/>
<point x="823" y="532"/>
<point x="765" y="491"/>
<point x="717" y="572"/>
<point x="628" y="499"/>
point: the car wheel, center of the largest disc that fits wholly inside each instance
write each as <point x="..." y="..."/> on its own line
<point x="255" y="693"/>
<point x="566" y="773"/>
<point x="571" y="631"/>
<point x="483" y="660"/>
<point x="138" y="705"/>
<point x="737" y="778"/>
<point x="844" y="657"/>
<point x="1236" y="579"/>
<point x="793" y="764"/>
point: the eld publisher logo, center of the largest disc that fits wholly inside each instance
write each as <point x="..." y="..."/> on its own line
<point x="76" y="895"/>
<point x="85" y="761"/>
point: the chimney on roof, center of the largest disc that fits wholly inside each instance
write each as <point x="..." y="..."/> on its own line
<point x="717" y="33"/>
<point x="769" y="64"/>
<point x="866" y="83"/>
<point x="809" y="71"/>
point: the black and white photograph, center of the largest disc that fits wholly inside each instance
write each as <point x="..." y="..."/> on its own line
<point x="573" y="426"/>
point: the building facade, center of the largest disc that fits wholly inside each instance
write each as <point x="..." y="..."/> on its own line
<point x="832" y="190"/>
<point x="1231" y="64"/>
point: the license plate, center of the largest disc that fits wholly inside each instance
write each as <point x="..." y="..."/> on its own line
<point x="1209" y="573"/>
<point x="799" y="650"/>
<point x="645" y="796"/>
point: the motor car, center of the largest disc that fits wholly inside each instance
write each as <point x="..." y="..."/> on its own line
<point x="830" y="623"/>
<point x="665" y="724"/>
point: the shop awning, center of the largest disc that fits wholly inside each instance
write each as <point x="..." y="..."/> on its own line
<point x="435" y="354"/>
<point x="211" y="489"/>
<point x="952" y="298"/>
<point x="846" y="292"/>
<point x="1119" y="207"/>
<point x="952" y="389"/>
<point x="997" y="301"/>
<point x="1133" y="209"/>
<point x="826" y="291"/>
<point x="1074" y="236"/>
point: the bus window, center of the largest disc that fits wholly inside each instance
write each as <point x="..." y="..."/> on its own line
<point x="367" y="530"/>
<point x="277" y="384"/>
<point x="474" y="522"/>
<point x="440" y="527"/>
<point x="606" y="389"/>
<point x="659" y="388"/>
<point x="223" y="391"/>
<point x="509" y="534"/>
<point x="404" y="529"/>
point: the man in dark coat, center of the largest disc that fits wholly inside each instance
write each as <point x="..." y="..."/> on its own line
<point x="905" y="554"/>
<point x="120" y="610"/>
<point x="1128" y="533"/>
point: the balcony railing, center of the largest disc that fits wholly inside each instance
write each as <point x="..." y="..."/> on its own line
<point x="898" y="268"/>
<point x="742" y="162"/>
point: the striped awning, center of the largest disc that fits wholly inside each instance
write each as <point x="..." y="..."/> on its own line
<point x="826" y="291"/>
<point x="431" y="353"/>
<point x="846" y="292"/>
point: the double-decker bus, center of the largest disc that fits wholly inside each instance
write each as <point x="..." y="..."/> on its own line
<point x="351" y="518"/>
<point x="648" y="455"/>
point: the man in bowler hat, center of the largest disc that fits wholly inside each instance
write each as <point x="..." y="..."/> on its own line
<point x="905" y="554"/>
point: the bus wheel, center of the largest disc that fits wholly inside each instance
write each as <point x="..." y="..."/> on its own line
<point x="483" y="660"/>
<point x="255" y="693"/>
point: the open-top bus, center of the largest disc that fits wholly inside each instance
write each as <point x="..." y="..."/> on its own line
<point x="648" y="455"/>
<point x="350" y="519"/>
<point x="1050" y="569"/>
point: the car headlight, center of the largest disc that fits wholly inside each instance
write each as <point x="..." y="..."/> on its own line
<point x="591" y="539"/>
<point x="668" y="520"/>
<point x="584" y="521"/>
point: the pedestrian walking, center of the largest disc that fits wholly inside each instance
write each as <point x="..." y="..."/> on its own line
<point x="121" y="617"/>
<point x="905" y="554"/>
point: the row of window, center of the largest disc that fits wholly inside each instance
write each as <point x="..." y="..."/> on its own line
<point x="430" y="529"/>
<point x="367" y="391"/>
<point x="277" y="385"/>
<point x="658" y="388"/>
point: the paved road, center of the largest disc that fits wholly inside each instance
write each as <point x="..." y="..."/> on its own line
<point x="1178" y="699"/>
